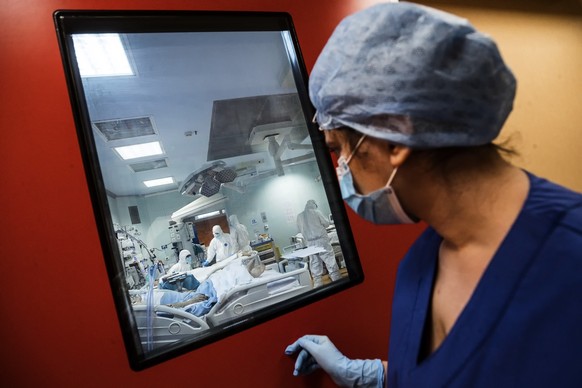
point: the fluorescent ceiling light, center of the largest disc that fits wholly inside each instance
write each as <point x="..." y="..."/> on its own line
<point x="159" y="182"/>
<point x="139" y="150"/>
<point x="101" y="55"/>
<point x="207" y="215"/>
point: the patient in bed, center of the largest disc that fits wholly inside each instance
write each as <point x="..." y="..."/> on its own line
<point x="201" y="300"/>
<point x="186" y="282"/>
<point x="197" y="302"/>
<point x="181" y="299"/>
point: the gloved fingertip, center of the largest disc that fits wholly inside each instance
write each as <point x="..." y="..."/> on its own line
<point x="295" y="373"/>
<point x="290" y="349"/>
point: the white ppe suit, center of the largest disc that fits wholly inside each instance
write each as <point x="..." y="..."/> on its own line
<point x="183" y="264"/>
<point x="239" y="234"/>
<point x="221" y="245"/>
<point x="312" y="224"/>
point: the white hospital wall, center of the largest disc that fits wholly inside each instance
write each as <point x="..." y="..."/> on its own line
<point x="154" y="212"/>
<point x="281" y="198"/>
<point x="269" y="196"/>
<point x="159" y="209"/>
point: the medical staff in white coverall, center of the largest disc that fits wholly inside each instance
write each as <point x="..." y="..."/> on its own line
<point x="239" y="234"/>
<point x="312" y="224"/>
<point x="183" y="264"/>
<point x="220" y="247"/>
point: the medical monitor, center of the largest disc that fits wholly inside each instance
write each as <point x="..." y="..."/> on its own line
<point x="186" y="119"/>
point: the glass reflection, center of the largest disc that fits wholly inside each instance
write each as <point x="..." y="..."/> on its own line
<point x="215" y="194"/>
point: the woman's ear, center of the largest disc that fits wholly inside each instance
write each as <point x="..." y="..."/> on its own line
<point x="398" y="154"/>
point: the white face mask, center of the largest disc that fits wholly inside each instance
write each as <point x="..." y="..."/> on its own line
<point x="380" y="206"/>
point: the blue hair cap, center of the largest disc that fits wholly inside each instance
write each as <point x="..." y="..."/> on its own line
<point x="401" y="59"/>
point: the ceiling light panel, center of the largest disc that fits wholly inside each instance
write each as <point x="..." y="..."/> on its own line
<point x="159" y="182"/>
<point x="101" y="55"/>
<point x="139" y="150"/>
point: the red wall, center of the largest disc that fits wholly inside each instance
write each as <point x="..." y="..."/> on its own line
<point x="59" y="326"/>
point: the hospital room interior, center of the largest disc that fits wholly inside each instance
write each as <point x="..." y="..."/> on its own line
<point x="231" y="181"/>
<point x="243" y="147"/>
<point x="175" y="214"/>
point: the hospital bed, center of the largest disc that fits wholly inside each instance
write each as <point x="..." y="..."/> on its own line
<point x="237" y="297"/>
<point x="168" y="325"/>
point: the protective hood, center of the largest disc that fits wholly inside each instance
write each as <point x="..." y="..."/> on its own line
<point x="182" y="257"/>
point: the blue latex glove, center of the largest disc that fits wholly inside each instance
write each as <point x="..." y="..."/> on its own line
<point x="316" y="351"/>
<point x="205" y="263"/>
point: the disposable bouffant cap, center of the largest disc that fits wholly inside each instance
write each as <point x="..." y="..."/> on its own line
<point x="412" y="75"/>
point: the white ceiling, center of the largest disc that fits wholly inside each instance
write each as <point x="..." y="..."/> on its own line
<point x="178" y="78"/>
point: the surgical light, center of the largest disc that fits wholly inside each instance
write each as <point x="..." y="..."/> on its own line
<point x="139" y="150"/>
<point x="159" y="182"/>
<point x="101" y="55"/>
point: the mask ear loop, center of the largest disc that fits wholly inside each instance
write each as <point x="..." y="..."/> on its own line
<point x="355" y="148"/>
<point x="391" y="177"/>
<point x="398" y="210"/>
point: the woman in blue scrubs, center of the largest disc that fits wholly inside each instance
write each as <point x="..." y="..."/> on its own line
<point x="490" y="295"/>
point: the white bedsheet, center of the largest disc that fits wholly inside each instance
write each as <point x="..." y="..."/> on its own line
<point x="232" y="275"/>
<point x="202" y="273"/>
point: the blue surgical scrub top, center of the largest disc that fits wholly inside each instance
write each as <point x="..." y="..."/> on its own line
<point x="522" y="326"/>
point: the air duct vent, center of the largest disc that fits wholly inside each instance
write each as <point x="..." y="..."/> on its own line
<point x="147" y="166"/>
<point x="125" y="128"/>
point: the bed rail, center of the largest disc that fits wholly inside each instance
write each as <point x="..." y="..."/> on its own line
<point x="169" y="325"/>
